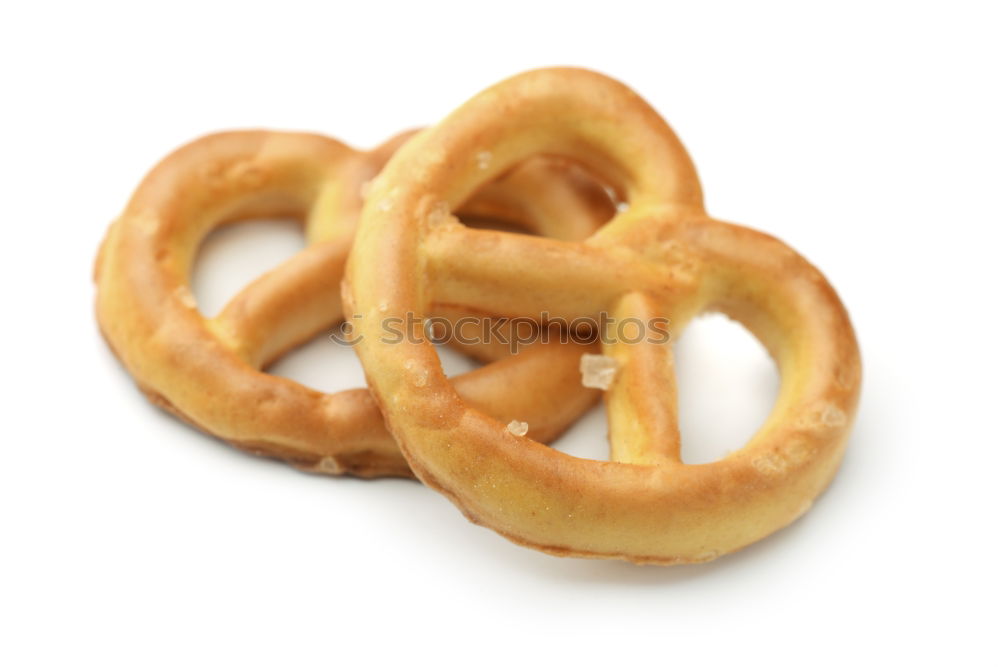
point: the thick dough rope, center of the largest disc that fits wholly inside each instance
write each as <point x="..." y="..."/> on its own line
<point x="662" y="257"/>
<point x="208" y="371"/>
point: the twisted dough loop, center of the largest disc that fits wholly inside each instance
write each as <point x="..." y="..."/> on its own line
<point x="662" y="257"/>
<point x="207" y="371"/>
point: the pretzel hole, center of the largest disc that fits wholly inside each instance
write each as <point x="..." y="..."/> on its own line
<point x="727" y="385"/>
<point x="543" y="196"/>
<point x="321" y="364"/>
<point x="234" y="254"/>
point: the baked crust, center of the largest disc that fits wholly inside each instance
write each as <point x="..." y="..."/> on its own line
<point x="208" y="371"/>
<point x="663" y="256"/>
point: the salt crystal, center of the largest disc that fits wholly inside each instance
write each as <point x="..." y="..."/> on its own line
<point x="329" y="466"/>
<point x="833" y="416"/>
<point x="439" y="214"/>
<point x="184" y="295"/>
<point x="598" y="370"/>
<point x="417" y="373"/>
<point x="517" y="428"/>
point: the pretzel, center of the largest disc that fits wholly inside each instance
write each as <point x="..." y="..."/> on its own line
<point x="663" y="256"/>
<point x="207" y="371"/>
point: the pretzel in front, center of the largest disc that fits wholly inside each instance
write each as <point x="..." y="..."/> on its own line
<point x="208" y="371"/>
<point x="662" y="257"/>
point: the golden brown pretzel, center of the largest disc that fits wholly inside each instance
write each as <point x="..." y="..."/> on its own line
<point x="207" y="371"/>
<point x="663" y="256"/>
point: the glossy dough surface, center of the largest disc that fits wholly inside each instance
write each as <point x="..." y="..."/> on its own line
<point x="208" y="370"/>
<point x="663" y="256"/>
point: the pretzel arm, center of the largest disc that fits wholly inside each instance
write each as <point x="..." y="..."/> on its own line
<point x="642" y="401"/>
<point x="521" y="276"/>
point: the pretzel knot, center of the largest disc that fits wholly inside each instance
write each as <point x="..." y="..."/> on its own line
<point x="208" y="371"/>
<point x="663" y="257"/>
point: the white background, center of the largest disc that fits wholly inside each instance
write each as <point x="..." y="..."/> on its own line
<point x="865" y="136"/>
